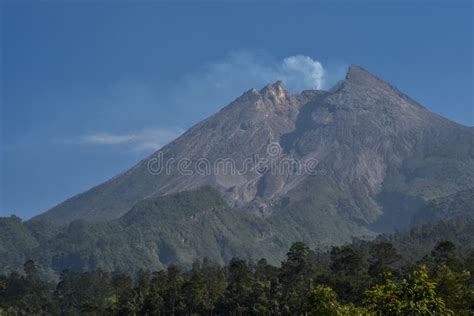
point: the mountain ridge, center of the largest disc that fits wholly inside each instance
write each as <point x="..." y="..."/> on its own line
<point x="379" y="155"/>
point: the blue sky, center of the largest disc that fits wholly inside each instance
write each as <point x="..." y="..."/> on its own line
<point x="90" y="89"/>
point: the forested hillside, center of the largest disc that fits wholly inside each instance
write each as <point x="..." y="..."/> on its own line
<point x="458" y="205"/>
<point x="371" y="278"/>
<point x="182" y="227"/>
<point x="156" y="232"/>
<point x="125" y="267"/>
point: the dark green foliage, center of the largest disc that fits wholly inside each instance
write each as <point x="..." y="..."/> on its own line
<point x="296" y="276"/>
<point x="301" y="286"/>
<point x="353" y="279"/>
<point x="414" y="295"/>
<point x="346" y="261"/>
<point x="26" y="293"/>
<point x="384" y="258"/>
<point x="83" y="292"/>
<point x="15" y="242"/>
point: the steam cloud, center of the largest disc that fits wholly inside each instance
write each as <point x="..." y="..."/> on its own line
<point x="245" y="70"/>
<point x="201" y="92"/>
<point x="207" y="89"/>
<point x="302" y="72"/>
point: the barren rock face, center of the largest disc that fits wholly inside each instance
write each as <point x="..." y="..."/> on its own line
<point x="365" y="140"/>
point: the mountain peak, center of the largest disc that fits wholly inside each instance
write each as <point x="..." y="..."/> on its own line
<point x="274" y="90"/>
<point x="357" y="74"/>
<point x="360" y="78"/>
<point x="277" y="85"/>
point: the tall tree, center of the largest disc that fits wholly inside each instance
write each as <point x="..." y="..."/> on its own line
<point x="383" y="256"/>
<point x="297" y="274"/>
<point x="239" y="288"/>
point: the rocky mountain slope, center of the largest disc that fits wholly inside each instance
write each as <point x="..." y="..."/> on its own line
<point x="375" y="154"/>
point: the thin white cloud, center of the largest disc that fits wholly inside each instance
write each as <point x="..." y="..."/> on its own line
<point x="144" y="140"/>
<point x="107" y="139"/>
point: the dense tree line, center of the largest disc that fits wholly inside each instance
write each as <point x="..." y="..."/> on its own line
<point x="347" y="280"/>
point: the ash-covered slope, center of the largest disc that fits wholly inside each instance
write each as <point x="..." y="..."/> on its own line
<point x="240" y="130"/>
<point x="379" y="156"/>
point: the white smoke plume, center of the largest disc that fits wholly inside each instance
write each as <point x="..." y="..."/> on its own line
<point x="302" y="72"/>
<point x="205" y="90"/>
